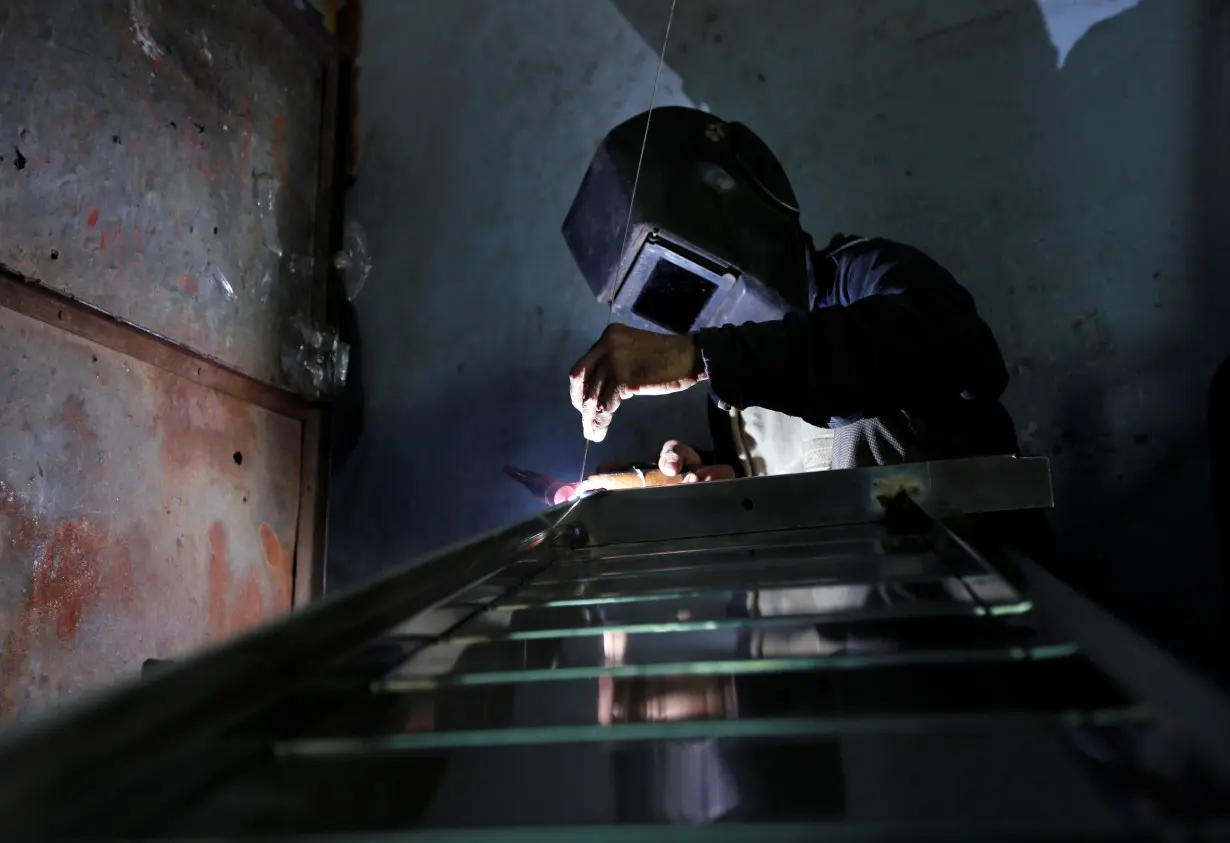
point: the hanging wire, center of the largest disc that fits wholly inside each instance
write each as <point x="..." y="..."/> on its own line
<point x="635" y="181"/>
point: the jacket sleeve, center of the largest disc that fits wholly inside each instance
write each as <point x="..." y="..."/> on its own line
<point x="895" y="332"/>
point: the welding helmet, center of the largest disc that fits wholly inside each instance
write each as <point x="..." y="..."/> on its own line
<point x="713" y="235"/>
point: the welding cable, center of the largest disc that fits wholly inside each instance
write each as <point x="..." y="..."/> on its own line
<point x="636" y="178"/>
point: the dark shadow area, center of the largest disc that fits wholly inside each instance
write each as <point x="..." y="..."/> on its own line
<point x="476" y="122"/>
<point x="433" y="475"/>
<point x="1084" y="207"/>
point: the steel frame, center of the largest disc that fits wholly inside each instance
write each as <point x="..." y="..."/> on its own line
<point x="131" y="729"/>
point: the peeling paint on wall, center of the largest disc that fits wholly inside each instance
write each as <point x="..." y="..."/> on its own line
<point x="1067" y="21"/>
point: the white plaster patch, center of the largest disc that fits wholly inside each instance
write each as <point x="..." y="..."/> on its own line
<point x="1067" y="21"/>
<point x="140" y="30"/>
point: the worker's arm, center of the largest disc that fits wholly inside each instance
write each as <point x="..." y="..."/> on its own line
<point x="625" y="362"/>
<point x="897" y="331"/>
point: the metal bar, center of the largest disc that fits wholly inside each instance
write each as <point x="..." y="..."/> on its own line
<point x="665" y="646"/>
<point x="1192" y="703"/>
<point x="874" y="532"/>
<point x="311" y="551"/>
<point x="330" y="189"/>
<point x="852" y="571"/>
<point x="640" y="566"/>
<point x="311" y="542"/>
<point x="817" y="499"/>
<point x="96" y="325"/>
<point x="119" y="734"/>
<point x="729" y="667"/>
<point x="738" y="561"/>
<point x="1041" y="686"/>
<point x="909" y="612"/>
<point x="707" y="730"/>
<point x="335" y="128"/>
<point x="676" y="595"/>
<point x="526" y="623"/>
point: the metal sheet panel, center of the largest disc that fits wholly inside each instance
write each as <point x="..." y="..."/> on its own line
<point x="137" y="136"/>
<point x="141" y="515"/>
<point x="815" y="499"/>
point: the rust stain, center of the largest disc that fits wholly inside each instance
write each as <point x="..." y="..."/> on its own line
<point x="74" y="569"/>
<point x="280" y="569"/>
<point x="231" y="609"/>
<point x="67" y="578"/>
<point x="219" y="581"/>
<point x="248" y="607"/>
<point x="92" y="220"/>
<point x="121" y="581"/>
<point x="202" y="428"/>
<point x="186" y="285"/>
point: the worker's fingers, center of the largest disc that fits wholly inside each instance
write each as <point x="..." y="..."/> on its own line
<point x="677" y="456"/>
<point x="601" y="401"/>
<point x="594" y="415"/>
<point x="576" y="386"/>
<point x="593" y="377"/>
<point x="598" y="419"/>
<point x="582" y="373"/>
<point x="709" y="473"/>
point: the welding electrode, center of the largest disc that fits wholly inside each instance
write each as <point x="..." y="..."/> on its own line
<point x="553" y="491"/>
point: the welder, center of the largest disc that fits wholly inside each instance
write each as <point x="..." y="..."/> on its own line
<point x="860" y="352"/>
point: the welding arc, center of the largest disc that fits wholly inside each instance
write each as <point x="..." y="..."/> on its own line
<point x="636" y="179"/>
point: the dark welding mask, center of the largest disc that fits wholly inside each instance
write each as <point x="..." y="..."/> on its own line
<point x="714" y="236"/>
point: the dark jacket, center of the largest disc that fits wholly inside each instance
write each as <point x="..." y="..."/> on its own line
<point x="892" y="354"/>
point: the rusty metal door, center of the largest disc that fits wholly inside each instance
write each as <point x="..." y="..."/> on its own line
<point x="161" y="168"/>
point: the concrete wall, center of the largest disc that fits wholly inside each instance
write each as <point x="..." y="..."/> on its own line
<point x="1081" y="203"/>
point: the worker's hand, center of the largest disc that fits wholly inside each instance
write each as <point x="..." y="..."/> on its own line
<point x="625" y="362"/>
<point x="677" y="458"/>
